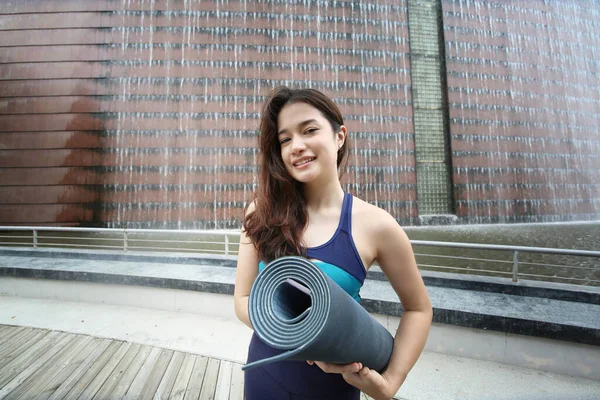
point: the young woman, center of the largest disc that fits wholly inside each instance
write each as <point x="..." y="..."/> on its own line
<point x="300" y="208"/>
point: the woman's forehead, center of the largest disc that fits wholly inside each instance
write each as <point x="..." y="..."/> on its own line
<point x="293" y="115"/>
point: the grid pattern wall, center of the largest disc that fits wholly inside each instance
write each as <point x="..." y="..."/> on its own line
<point x="524" y="107"/>
<point x="429" y="107"/>
<point x="144" y="113"/>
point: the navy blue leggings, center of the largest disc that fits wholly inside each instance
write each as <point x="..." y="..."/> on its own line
<point x="259" y="385"/>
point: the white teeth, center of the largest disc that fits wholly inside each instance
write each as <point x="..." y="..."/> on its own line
<point x="304" y="162"/>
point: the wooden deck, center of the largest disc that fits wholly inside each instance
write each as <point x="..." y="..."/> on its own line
<point x="43" y="364"/>
<point x="49" y="365"/>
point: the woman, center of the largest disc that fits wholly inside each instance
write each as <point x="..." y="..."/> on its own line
<point x="301" y="209"/>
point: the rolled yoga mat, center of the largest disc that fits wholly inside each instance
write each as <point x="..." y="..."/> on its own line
<point x="295" y="306"/>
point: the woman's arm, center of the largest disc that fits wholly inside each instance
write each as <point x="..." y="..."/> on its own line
<point x="395" y="256"/>
<point x="396" y="259"/>
<point x="246" y="272"/>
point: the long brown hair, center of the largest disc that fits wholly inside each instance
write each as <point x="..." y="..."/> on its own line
<point x="280" y="211"/>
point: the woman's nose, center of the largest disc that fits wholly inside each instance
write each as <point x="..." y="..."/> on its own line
<point x="298" y="144"/>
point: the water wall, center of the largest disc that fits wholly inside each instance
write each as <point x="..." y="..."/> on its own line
<point x="144" y="113"/>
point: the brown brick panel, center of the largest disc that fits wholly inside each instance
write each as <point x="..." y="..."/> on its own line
<point x="82" y="139"/>
<point x="217" y="87"/>
<point x="525" y="11"/>
<point x="533" y="114"/>
<point x="489" y="128"/>
<point x="47" y="6"/>
<point x="251" y="71"/>
<point x="50" y="140"/>
<point x="58" y="87"/>
<point x="81" y="104"/>
<point x="55" y="37"/>
<point x="49" y="53"/>
<point x="524" y="207"/>
<point x="90" y="176"/>
<point x="531" y="71"/>
<point x="51" y="214"/>
<point x="171" y="157"/>
<point x="191" y="195"/>
<point x="563" y="39"/>
<point x="541" y="192"/>
<point x="542" y="86"/>
<point x="86" y="157"/>
<point x="298" y="38"/>
<point x="235" y="20"/>
<point x="573" y="62"/>
<point x="83" y="195"/>
<point x="525" y="99"/>
<point x="519" y="160"/>
<point x="525" y="144"/>
<point x="388" y="7"/>
<point x="87" y="122"/>
<point x="529" y="176"/>
<point x="56" y="122"/>
<point x="527" y="30"/>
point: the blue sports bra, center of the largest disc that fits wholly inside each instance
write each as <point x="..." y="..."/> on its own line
<point x="338" y="257"/>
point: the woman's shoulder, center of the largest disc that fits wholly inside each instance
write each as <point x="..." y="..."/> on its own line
<point x="371" y="218"/>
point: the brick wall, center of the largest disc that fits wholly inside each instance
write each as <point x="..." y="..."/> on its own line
<point x="524" y="107"/>
<point x="144" y="113"/>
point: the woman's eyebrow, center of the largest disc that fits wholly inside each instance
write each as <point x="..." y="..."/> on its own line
<point x="301" y="124"/>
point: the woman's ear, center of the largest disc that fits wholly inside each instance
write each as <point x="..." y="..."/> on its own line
<point x="341" y="136"/>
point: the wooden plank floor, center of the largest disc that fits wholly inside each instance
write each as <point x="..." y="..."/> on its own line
<point x="48" y="365"/>
<point x="43" y="364"/>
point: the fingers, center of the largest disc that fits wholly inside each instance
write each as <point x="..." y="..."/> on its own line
<point x="310" y="362"/>
<point x="364" y="371"/>
<point x="340" y="369"/>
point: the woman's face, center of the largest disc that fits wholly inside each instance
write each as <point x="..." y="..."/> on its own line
<point x="308" y="144"/>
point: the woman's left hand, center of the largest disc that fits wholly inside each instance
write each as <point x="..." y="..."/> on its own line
<point x="369" y="381"/>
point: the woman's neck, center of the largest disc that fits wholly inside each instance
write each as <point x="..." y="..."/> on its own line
<point x="319" y="197"/>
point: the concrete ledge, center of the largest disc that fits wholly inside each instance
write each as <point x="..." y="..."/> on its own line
<point x="572" y="321"/>
<point x="546" y="290"/>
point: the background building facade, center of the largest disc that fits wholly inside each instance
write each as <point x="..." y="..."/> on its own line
<point x="144" y="113"/>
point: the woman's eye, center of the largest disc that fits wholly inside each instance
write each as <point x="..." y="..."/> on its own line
<point x="310" y="130"/>
<point x="284" y="140"/>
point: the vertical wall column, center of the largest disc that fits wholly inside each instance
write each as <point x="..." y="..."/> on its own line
<point x="434" y="188"/>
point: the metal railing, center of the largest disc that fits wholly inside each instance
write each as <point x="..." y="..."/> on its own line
<point x="550" y="264"/>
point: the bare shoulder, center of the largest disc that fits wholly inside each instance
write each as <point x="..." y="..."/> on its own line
<point x="371" y="218"/>
<point x="371" y="227"/>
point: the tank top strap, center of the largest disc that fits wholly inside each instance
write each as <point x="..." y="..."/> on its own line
<point x="346" y="217"/>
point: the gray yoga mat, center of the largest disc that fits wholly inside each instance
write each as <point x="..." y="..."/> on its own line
<point x="295" y="306"/>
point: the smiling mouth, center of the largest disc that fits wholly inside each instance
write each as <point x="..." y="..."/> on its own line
<point x="304" y="161"/>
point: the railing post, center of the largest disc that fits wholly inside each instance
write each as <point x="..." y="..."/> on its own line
<point x="125" y="240"/>
<point x="226" y="245"/>
<point x="515" y="266"/>
<point x="35" y="239"/>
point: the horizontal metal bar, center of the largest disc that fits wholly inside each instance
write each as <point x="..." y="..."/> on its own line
<point x="465" y="269"/>
<point x="463" y="258"/>
<point x="79" y="245"/>
<point x="175" y="249"/>
<point x="129" y="239"/>
<point x="548" y="250"/>
<point x="78" y="238"/>
<point x="29" y="244"/>
<point x="558" y="266"/>
<point x="136" y="230"/>
<point x="584" y="253"/>
<point x="15" y="237"/>
<point x="559" y="277"/>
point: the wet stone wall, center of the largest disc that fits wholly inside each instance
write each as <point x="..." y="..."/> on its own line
<point x="144" y="114"/>
<point x="524" y="109"/>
